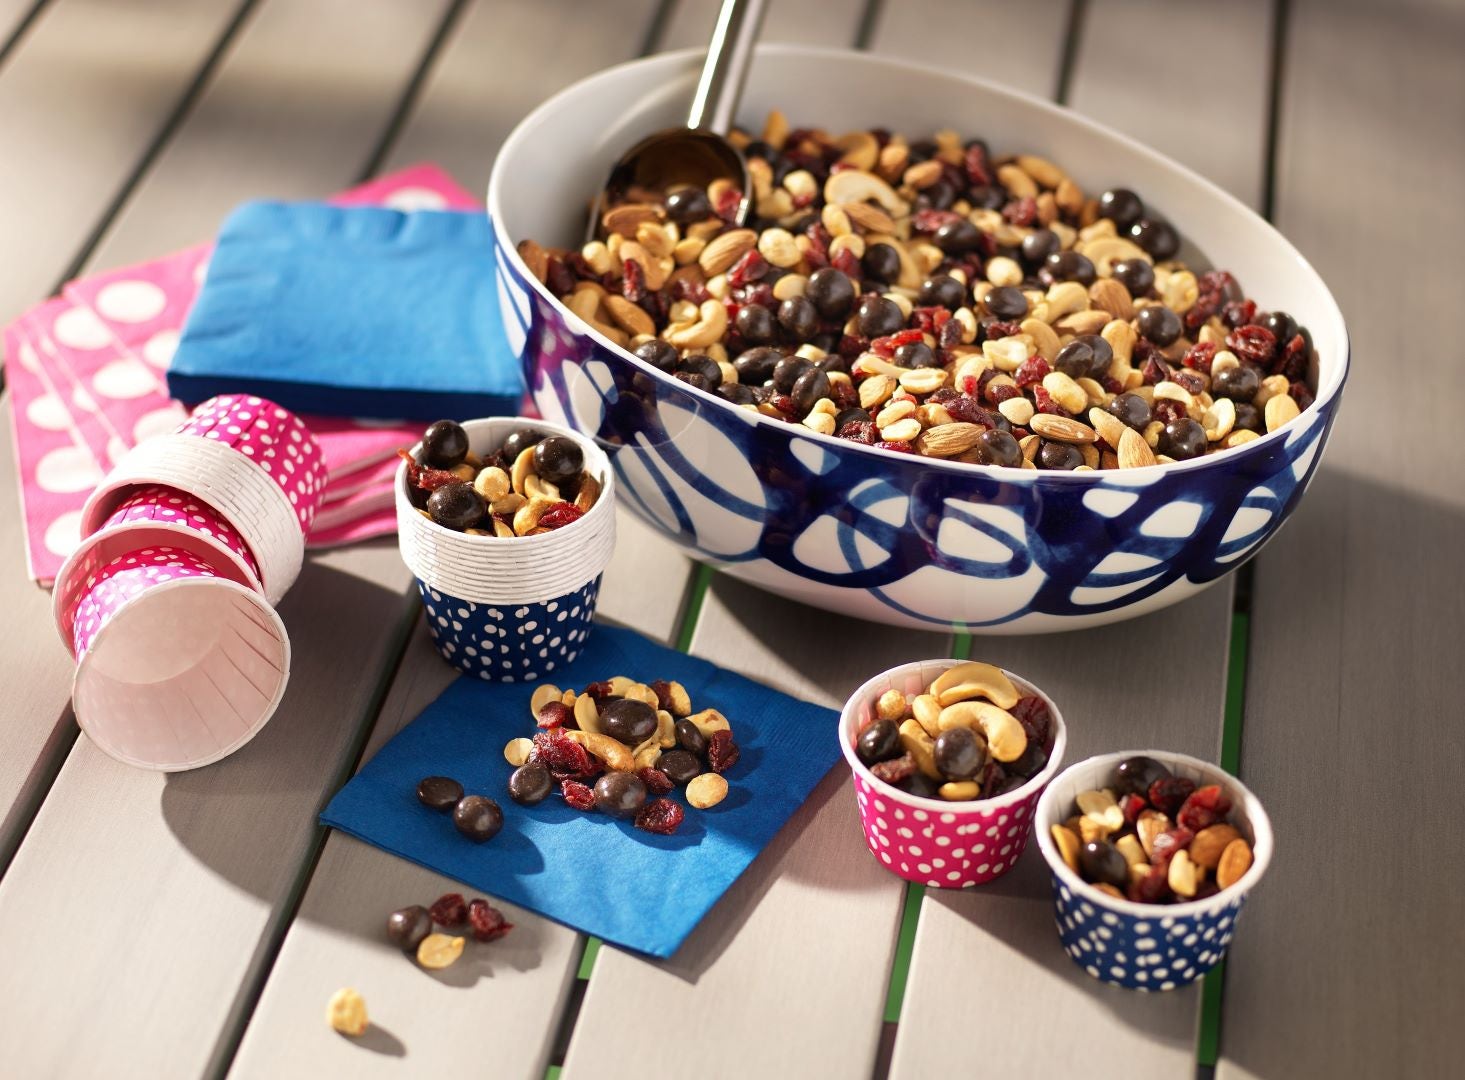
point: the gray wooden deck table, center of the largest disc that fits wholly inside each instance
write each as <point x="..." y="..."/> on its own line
<point x="156" y="926"/>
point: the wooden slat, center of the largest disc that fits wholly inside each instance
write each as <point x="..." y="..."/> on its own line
<point x="787" y="974"/>
<point x="88" y="88"/>
<point x="1004" y="935"/>
<point x="197" y="869"/>
<point x="13" y="14"/>
<point x="807" y="22"/>
<point x="1347" y="963"/>
<point x="506" y="1000"/>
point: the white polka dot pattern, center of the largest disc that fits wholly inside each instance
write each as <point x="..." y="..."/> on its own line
<point x="508" y="642"/>
<point x="165" y="505"/>
<point x="273" y="438"/>
<point x="966" y="844"/>
<point x="109" y="588"/>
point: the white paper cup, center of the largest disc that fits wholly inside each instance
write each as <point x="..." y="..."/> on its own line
<point x="177" y="666"/>
<point x="252" y="461"/>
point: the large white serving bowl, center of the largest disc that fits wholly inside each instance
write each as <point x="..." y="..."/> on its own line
<point x="901" y="539"/>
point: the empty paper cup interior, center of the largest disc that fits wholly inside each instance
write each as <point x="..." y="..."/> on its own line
<point x="182" y="672"/>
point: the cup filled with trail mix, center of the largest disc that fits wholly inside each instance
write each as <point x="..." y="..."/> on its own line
<point x="507" y="524"/>
<point x="1152" y="856"/>
<point x="949" y="758"/>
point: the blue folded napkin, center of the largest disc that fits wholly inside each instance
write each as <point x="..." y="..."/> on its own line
<point x="351" y="311"/>
<point x="586" y="870"/>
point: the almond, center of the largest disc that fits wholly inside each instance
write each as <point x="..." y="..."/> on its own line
<point x="1209" y="843"/>
<point x="630" y="317"/>
<point x="1109" y="295"/>
<point x="1150" y="824"/>
<point x="535" y="257"/>
<point x="948" y="440"/>
<point x="1067" y="844"/>
<point x="722" y="251"/>
<point x="1235" y="862"/>
<point x="1079" y="323"/>
<point x="869" y="218"/>
<point x="624" y="219"/>
<point x="1133" y="451"/>
<point x="1110" y="428"/>
<point x="1061" y="428"/>
<point x="923" y="174"/>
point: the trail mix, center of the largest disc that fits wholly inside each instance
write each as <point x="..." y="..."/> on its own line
<point x="971" y="735"/>
<point x="411" y="928"/>
<point x="477" y="817"/>
<point x="1154" y="837"/>
<point x="532" y="484"/>
<point x="621" y="747"/>
<point x="926" y="297"/>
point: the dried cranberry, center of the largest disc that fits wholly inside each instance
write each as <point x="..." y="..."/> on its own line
<point x="1199" y="357"/>
<point x="886" y="346"/>
<point x="1152" y="888"/>
<point x="1032" y="713"/>
<point x="1165" y="845"/>
<point x="860" y="431"/>
<point x="577" y="794"/>
<point x="1301" y="394"/>
<point x="993" y="777"/>
<point x="660" y="816"/>
<point x="662" y="689"/>
<point x="844" y="395"/>
<point x="978" y="172"/>
<point x="1204" y="807"/>
<point x="554" y="714"/>
<point x="851" y="346"/>
<point x="1195" y="818"/>
<point x="1043" y="402"/>
<point x="633" y="285"/>
<point x="1168" y="793"/>
<point x="561" y="756"/>
<point x="1252" y="342"/>
<point x="424" y="478"/>
<point x="1168" y="410"/>
<point x="1206" y="889"/>
<point x="750" y="267"/>
<point x="931" y="319"/>
<point x="558" y="278"/>
<point x="998" y="328"/>
<point x="928" y="221"/>
<point x="727" y="204"/>
<point x="949" y="335"/>
<point x="968" y="410"/>
<point x="848" y="263"/>
<point x="1192" y="381"/>
<point x="599" y="690"/>
<point x="1239" y="313"/>
<point x="722" y="752"/>
<point x="997" y="393"/>
<point x="559" y="515"/>
<point x="1133" y="805"/>
<point x="450" y="909"/>
<point x="656" y="781"/>
<point x="895" y="770"/>
<point x="1154" y="371"/>
<point x="1032" y="370"/>
<point x="1021" y="212"/>
<point x="487" y="921"/>
<point x="899" y="446"/>
<point x="692" y="291"/>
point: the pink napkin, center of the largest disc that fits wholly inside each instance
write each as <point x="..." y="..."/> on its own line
<point x="87" y="370"/>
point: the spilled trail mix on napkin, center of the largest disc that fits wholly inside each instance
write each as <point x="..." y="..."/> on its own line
<point x="589" y="871"/>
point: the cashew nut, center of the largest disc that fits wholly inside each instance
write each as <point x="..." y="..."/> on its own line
<point x="1108" y="250"/>
<point x="861" y="149"/>
<point x="920" y="747"/>
<point x="666" y="729"/>
<point x="613" y="754"/>
<point x="528" y="515"/>
<point x="647" y="754"/>
<point x="1006" y="739"/>
<point x="975" y="679"/>
<point x="710" y="326"/>
<point x="857" y="185"/>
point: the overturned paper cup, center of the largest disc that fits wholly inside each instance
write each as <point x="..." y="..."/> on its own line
<point x="177" y="666"/>
<point x="247" y="458"/>
<point x="159" y="505"/>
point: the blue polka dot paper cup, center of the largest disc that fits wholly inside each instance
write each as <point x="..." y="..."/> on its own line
<point x="510" y="609"/>
<point x="1147" y="946"/>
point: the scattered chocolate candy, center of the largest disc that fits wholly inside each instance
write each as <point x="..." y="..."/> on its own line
<point x="971" y="735"/>
<point x="408" y="926"/>
<point x="1153" y="837"/>
<point x="478" y="817"/>
<point x="531" y="484"/>
<point x="946" y="278"/>
<point x="439" y="792"/>
<point x="621" y="747"/>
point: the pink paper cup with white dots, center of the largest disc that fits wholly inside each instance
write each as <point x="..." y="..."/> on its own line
<point x="947" y="845"/>
<point x="177" y="666"/>
<point x="253" y="462"/>
<point x="157" y="505"/>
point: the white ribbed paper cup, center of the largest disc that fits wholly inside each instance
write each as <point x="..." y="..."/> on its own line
<point x="177" y="666"/>
<point x="250" y="460"/>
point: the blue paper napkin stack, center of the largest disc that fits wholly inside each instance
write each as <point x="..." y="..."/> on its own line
<point x="352" y="311"/>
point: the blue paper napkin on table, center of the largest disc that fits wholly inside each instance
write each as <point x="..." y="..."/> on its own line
<point x="587" y="870"/>
<point x="351" y="311"/>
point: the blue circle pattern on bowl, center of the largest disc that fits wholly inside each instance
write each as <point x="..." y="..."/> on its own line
<point x="773" y="504"/>
<point x="510" y="642"/>
<point x="1153" y="953"/>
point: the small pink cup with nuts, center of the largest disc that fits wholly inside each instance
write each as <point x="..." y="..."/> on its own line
<point x="936" y="828"/>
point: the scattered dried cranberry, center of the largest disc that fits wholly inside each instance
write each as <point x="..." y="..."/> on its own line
<point x="554" y="714"/>
<point x="1132" y="805"/>
<point x="660" y="816"/>
<point x="1252" y="342"/>
<point x="1152" y="888"/>
<point x="750" y="267"/>
<point x="968" y="410"/>
<point x="1169" y="792"/>
<point x="577" y="794"/>
<point x="450" y="909"/>
<point x="559" y="515"/>
<point x="886" y="346"/>
<point x="1032" y="371"/>
<point x="1043" y="402"/>
<point x="1165" y="845"/>
<point x="727" y="204"/>
<point x="1154" y="371"/>
<point x="997" y="393"/>
<point x="722" y="752"/>
<point x="899" y="446"/>
<point x="563" y="757"/>
<point x="662" y="689"/>
<point x="1204" y="807"/>
<point x="895" y="770"/>
<point x="860" y="431"/>
<point x="1167" y="411"/>
<point x="656" y="781"/>
<point x="633" y="287"/>
<point x="978" y="172"/>
<point x="487" y="921"/>
<point x="599" y="691"/>
<point x="1021" y="212"/>
<point x="419" y="476"/>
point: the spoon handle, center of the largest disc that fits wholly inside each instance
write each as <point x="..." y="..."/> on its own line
<point x="729" y="55"/>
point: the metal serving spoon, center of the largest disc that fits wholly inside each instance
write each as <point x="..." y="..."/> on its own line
<point x="698" y="153"/>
